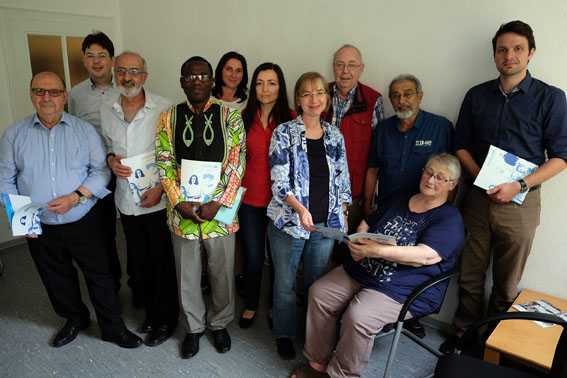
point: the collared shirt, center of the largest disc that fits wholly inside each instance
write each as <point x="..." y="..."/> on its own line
<point x="400" y="157"/>
<point x="233" y="165"/>
<point x="48" y="163"/>
<point x="85" y="100"/>
<point x="529" y="122"/>
<point x="131" y="139"/>
<point x="290" y="176"/>
<point x="341" y="106"/>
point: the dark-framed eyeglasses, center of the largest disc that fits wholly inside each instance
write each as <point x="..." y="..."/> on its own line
<point x="40" y="92"/>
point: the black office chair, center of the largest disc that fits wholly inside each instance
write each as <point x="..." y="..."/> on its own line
<point x="398" y="329"/>
<point x="465" y="366"/>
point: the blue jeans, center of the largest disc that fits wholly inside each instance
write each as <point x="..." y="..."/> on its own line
<point x="287" y="252"/>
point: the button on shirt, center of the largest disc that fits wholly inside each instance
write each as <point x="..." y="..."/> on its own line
<point x="48" y="163"/>
<point x="400" y="157"/>
<point x="85" y="100"/>
<point x="528" y="122"/>
<point x="130" y="139"/>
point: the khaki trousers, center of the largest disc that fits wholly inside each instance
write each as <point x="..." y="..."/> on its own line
<point x="364" y="313"/>
<point x="504" y="233"/>
<point x="220" y="268"/>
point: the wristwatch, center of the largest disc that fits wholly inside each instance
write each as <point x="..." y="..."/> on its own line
<point x="82" y="198"/>
<point x="523" y="186"/>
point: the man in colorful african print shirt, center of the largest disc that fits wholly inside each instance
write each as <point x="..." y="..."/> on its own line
<point x="203" y="129"/>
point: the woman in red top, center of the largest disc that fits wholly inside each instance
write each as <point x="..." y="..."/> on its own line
<point x="267" y="107"/>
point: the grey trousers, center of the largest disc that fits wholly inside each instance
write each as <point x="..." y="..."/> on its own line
<point x="364" y="313"/>
<point x="220" y="267"/>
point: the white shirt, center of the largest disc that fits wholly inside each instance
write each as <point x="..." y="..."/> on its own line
<point x="130" y="139"/>
<point x="85" y="101"/>
<point x="235" y="104"/>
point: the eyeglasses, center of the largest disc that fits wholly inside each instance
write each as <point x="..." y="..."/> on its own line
<point x="121" y="71"/>
<point x="438" y="177"/>
<point x="40" y="92"/>
<point x="193" y="78"/>
<point x="101" y="55"/>
<point x="317" y="94"/>
<point x="399" y="96"/>
<point x="340" y="66"/>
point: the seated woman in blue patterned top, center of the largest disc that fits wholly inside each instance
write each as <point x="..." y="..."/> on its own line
<point x="367" y="292"/>
<point x="310" y="186"/>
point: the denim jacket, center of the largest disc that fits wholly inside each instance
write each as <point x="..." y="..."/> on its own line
<point x="289" y="170"/>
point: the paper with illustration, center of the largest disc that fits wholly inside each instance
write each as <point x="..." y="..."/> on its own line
<point x="501" y="167"/>
<point x="199" y="179"/>
<point x="144" y="174"/>
<point x="23" y="215"/>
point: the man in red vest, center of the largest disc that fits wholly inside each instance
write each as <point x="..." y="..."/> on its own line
<point x="355" y="109"/>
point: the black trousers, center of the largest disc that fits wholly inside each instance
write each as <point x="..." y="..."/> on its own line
<point x="53" y="253"/>
<point x="151" y="266"/>
<point x="108" y="210"/>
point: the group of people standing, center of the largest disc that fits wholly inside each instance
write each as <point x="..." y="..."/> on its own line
<point x="331" y="161"/>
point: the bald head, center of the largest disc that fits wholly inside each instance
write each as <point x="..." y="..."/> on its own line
<point x="351" y="48"/>
<point x="131" y="55"/>
<point x="48" y="96"/>
<point x="49" y="75"/>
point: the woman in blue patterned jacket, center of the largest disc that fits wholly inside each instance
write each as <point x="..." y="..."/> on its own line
<point x="310" y="187"/>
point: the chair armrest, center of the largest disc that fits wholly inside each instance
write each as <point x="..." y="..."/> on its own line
<point x="423" y="287"/>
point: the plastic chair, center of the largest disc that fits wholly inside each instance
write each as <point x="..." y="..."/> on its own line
<point x="398" y="329"/>
<point x="465" y="366"/>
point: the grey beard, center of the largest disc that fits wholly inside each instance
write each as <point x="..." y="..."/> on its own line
<point x="405" y="114"/>
<point x="129" y="92"/>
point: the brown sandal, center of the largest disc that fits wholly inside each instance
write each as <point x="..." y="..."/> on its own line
<point x="306" y="371"/>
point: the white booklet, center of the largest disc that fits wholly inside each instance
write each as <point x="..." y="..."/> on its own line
<point x="144" y="174"/>
<point x="336" y="234"/>
<point x="501" y="167"/>
<point x="199" y="179"/>
<point x="23" y="215"/>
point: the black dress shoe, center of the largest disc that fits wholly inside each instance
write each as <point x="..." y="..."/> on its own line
<point x="190" y="345"/>
<point x="246" y="322"/>
<point x="415" y="327"/>
<point x="449" y="345"/>
<point x="159" y="335"/>
<point x="69" y="332"/>
<point x="285" y="348"/>
<point x="146" y="327"/>
<point x="125" y="339"/>
<point x="221" y="339"/>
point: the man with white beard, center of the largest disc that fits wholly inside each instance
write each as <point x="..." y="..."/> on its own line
<point x="128" y="127"/>
<point x="402" y="144"/>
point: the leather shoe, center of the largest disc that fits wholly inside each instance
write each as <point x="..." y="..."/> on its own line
<point x="246" y="322"/>
<point x="285" y="348"/>
<point x="221" y="340"/>
<point x="124" y="339"/>
<point x="146" y="327"/>
<point x="190" y="345"/>
<point x="415" y="327"/>
<point x="69" y="332"/>
<point x="159" y="335"/>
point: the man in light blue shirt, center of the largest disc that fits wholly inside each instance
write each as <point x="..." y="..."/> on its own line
<point x="59" y="161"/>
